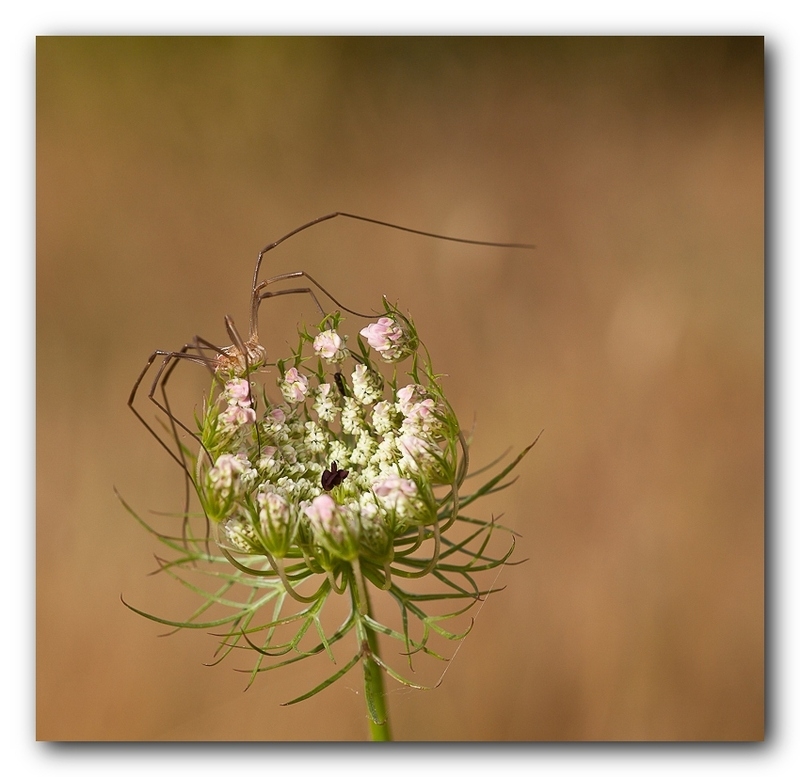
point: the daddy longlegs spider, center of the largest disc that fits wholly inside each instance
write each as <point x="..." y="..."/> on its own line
<point x="244" y="356"/>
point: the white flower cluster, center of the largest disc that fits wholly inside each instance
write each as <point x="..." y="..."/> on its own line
<point x="351" y="465"/>
<point x="367" y="385"/>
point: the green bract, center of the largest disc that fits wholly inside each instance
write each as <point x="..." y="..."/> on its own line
<point x="335" y="471"/>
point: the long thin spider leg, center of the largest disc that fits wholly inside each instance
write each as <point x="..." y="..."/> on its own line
<point x="167" y="368"/>
<point x="267" y="294"/>
<point x="167" y="356"/>
<point x="202" y="343"/>
<point x="236" y="338"/>
<point x="259" y="295"/>
<point x="187" y="480"/>
<point x="199" y="344"/>
<point x="356" y="217"/>
<point x="162" y="377"/>
<point x="304" y="274"/>
<point x="170" y="361"/>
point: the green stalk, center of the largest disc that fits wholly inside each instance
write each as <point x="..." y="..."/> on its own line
<point x="374" y="690"/>
<point x="374" y="693"/>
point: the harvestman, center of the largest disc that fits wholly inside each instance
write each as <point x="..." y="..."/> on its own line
<point x="244" y="356"/>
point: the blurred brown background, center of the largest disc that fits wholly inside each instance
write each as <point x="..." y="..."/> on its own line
<point x="633" y="336"/>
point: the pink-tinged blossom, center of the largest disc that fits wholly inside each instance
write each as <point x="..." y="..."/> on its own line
<point x="335" y="526"/>
<point x="294" y="386"/>
<point x="322" y="514"/>
<point x="274" y="510"/>
<point x="230" y="474"/>
<point x="408" y="396"/>
<point x="277" y="416"/>
<point x="237" y="392"/>
<point x="393" y="485"/>
<point x="421" y="417"/>
<point x="395" y="493"/>
<point x="235" y="416"/>
<point x="417" y="453"/>
<point x="387" y="338"/>
<point x="268" y="458"/>
<point x="330" y="346"/>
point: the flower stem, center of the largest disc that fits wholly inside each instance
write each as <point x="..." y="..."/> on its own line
<point x="374" y="693"/>
<point x="374" y="690"/>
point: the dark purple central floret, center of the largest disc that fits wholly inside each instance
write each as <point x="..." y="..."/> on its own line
<point x="333" y="477"/>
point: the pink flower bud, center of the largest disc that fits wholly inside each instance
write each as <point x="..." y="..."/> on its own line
<point x="387" y="338"/>
<point x="237" y="392"/>
<point x="295" y="386"/>
<point x="330" y="346"/>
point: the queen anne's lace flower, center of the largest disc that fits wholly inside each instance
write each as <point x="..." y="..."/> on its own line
<point x="380" y="438"/>
<point x="387" y="441"/>
<point x="340" y="486"/>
